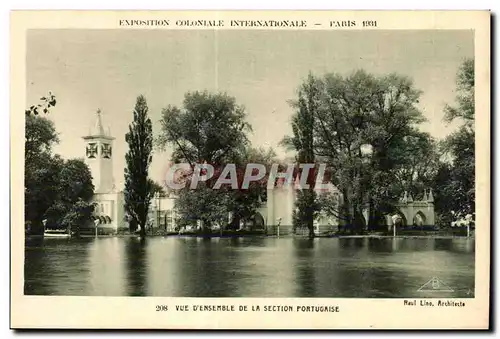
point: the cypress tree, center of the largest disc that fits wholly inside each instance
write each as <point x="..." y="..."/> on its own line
<point x="138" y="188"/>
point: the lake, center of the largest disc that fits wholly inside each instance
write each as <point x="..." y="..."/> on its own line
<point x="251" y="267"/>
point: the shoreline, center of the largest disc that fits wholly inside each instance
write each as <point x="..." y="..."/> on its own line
<point x="209" y="236"/>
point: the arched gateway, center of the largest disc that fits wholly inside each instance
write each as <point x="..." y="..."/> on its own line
<point x="418" y="212"/>
<point x="280" y="204"/>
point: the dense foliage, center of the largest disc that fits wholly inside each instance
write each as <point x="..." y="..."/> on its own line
<point x="360" y="124"/>
<point x="455" y="178"/>
<point x="57" y="191"/>
<point x="139" y="189"/>
<point x="212" y="129"/>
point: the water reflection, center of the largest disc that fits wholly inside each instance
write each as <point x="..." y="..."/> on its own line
<point x="136" y="263"/>
<point x="248" y="267"/>
<point x="35" y="259"/>
<point x="305" y="276"/>
<point x="56" y="267"/>
<point x="106" y="272"/>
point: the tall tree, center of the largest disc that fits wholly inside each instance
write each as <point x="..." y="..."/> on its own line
<point x="360" y="119"/>
<point x="209" y="128"/>
<point x="416" y="160"/>
<point x="306" y="106"/>
<point x="138" y="187"/>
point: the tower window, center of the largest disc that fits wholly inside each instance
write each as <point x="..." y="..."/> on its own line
<point x="106" y="151"/>
<point x="91" y="150"/>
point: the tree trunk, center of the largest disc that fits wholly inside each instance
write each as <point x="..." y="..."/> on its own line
<point x="359" y="221"/>
<point x="375" y="221"/>
<point x="311" y="232"/>
<point x="143" y="230"/>
<point x="132" y="225"/>
<point x="205" y="227"/>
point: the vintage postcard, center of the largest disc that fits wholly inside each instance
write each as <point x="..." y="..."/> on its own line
<point x="250" y="169"/>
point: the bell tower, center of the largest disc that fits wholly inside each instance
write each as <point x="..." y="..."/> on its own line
<point x="99" y="156"/>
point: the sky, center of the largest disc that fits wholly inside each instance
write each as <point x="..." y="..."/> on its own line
<point x="107" y="69"/>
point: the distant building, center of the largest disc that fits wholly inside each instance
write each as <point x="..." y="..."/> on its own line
<point x="162" y="213"/>
<point x="280" y="205"/>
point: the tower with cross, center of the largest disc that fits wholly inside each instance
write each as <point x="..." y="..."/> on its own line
<point x="99" y="156"/>
<point x="108" y="211"/>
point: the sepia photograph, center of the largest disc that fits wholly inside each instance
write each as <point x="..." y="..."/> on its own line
<point x="267" y="161"/>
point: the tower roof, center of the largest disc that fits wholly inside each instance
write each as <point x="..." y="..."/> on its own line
<point x="97" y="131"/>
<point x="430" y="198"/>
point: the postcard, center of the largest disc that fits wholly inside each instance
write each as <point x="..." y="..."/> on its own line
<point x="250" y="169"/>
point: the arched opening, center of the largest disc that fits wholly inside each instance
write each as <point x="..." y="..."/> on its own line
<point x="255" y="222"/>
<point x="419" y="219"/>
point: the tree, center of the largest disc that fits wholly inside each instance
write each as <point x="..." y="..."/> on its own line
<point x="40" y="137"/>
<point x="359" y="120"/>
<point x="73" y="206"/>
<point x="209" y="129"/>
<point x="204" y="204"/>
<point x="455" y="180"/>
<point x="303" y="142"/>
<point x="465" y="95"/>
<point x="138" y="187"/>
<point x="44" y="105"/>
<point x="56" y="190"/>
<point x="158" y="189"/>
<point x="41" y="168"/>
<point x="243" y="202"/>
<point x="41" y="189"/>
<point x="78" y="214"/>
<point x="416" y="163"/>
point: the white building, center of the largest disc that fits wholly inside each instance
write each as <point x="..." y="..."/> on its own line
<point x="109" y="210"/>
<point x="109" y="213"/>
<point x="279" y="208"/>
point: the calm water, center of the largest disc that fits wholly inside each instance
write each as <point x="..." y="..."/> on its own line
<point x="249" y="267"/>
